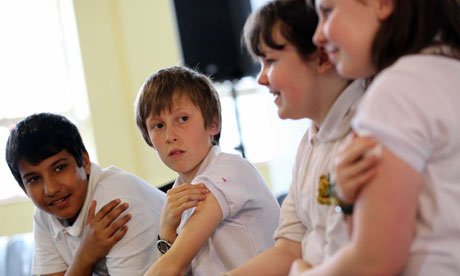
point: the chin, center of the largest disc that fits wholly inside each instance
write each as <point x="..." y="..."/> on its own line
<point x="282" y="114"/>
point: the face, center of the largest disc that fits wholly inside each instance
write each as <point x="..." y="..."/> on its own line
<point x="346" y="30"/>
<point x="57" y="185"/>
<point x="290" y="78"/>
<point x="180" y="138"/>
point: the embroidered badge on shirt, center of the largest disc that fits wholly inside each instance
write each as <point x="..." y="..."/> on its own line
<point x="326" y="193"/>
<point x="323" y="190"/>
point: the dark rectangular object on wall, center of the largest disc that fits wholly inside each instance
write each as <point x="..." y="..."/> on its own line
<point x="210" y="34"/>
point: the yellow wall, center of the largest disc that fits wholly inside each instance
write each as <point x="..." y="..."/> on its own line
<point x="16" y="217"/>
<point x="122" y="42"/>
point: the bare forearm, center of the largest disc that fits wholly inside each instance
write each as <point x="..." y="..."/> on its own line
<point x="80" y="266"/>
<point x="273" y="261"/>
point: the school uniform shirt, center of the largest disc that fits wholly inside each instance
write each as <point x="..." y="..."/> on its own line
<point x="56" y="244"/>
<point x="413" y="108"/>
<point x="319" y="228"/>
<point x="250" y="213"/>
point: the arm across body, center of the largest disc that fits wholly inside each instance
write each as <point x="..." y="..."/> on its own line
<point x="383" y="224"/>
<point x="199" y="227"/>
<point x="356" y="164"/>
<point x="102" y="232"/>
<point x="179" y="199"/>
<point x="276" y="260"/>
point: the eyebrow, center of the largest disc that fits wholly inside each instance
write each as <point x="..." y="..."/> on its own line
<point x="52" y="164"/>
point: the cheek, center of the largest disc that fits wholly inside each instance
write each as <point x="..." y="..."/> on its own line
<point x="276" y="76"/>
<point x="153" y="138"/>
<point x="31" y="192"/>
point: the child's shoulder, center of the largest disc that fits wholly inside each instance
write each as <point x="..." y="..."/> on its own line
<point x="113" y="180"/>
<point x="230" y="162"/>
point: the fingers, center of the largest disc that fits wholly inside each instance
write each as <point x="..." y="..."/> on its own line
<point x="352" y="178"/>
<point x="186" y="193"/>
<point x="91" y="212"/>
<point x="119" y="234"/>
<point x="178" y="200"/>
<point x="118" y="228"/>
<point x="355" y="165"/>
<point x="355" y="149"/>
<point x="106" y="209"/>
<point x="114" y="214"/>
<point x="108" y="222"/>
<point x="108" y="214"/>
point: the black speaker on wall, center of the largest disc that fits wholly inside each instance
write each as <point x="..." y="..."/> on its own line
<point x="210" y="34"/>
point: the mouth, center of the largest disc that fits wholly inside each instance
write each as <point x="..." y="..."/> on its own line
<point x="175" y="152"/>
<point x="331" y="51"/>
<point x="60" y="202"/>
<point x="275" y="93"/>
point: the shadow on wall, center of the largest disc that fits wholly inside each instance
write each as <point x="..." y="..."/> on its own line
<point x="16" y="254"/>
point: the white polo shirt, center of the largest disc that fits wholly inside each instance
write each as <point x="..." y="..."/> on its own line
<point x="413" y="108"/>
<point x="319" y="228"/>
<point x="56" y="244"/>
<point x="250" y="213"/>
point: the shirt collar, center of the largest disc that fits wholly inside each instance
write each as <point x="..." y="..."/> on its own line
<point x="337" y="122"/>
<point x="214" y="151"/>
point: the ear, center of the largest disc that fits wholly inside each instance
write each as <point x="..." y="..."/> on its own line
<point x="86" y="163"/>
<point x="383" y="9"/>
<point x="324" y="64"/>
<point x="214" y="128"/>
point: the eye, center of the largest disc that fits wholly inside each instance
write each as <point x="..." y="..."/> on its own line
<point x="60" y="167"/>
<point x="31" y="180"/>
<point x="156" y="126"/>
<point x="269" y="61"/>
<point x="183" y="118"/>
<point x="325" y="11"/>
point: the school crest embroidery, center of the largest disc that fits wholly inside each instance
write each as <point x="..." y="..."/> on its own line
<point x="325" y="190"/>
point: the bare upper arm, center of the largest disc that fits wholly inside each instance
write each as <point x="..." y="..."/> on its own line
<point x="384" y="220"/>
<point x="198" y="228"/>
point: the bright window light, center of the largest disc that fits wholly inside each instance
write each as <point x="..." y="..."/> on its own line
<point x="40" y="68"/>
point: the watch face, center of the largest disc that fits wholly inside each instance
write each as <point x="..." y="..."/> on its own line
<point x="163" y="246"/>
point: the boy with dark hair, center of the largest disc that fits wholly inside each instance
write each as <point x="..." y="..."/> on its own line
<point x="178" y="113"/>
<point x="46" y="155"/>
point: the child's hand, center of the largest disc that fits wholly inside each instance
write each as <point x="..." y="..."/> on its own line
<point x="355" y="165"/>
<point x="102" y="231"/>
<point x="178" y="200"/>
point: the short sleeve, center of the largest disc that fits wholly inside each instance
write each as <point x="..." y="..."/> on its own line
<point x="399" y="111"/>
<point x="290" y="226"/>
<point x="233" y="182"/>
<point x="135" y="252"/>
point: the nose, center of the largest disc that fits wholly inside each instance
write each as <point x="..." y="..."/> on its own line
<point x="318" y="37"/>
<point x="171" y="135"/>
<point x="51" y="187"/>
<point x="262" y="77"/>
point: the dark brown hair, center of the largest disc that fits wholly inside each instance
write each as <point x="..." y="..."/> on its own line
<point x="297" y="23"/>
<point x="414" y="25"/>
<point x="157" y="93"/>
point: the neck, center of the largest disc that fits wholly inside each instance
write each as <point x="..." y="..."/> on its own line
<point x="331" y="88"/>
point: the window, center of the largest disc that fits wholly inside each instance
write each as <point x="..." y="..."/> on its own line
<point x="266" y="138"/>
<point x="41" y="70"/>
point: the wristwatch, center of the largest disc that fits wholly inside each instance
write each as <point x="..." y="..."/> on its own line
<point x="341" y="205"/>
<point x="163" y="245"/>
